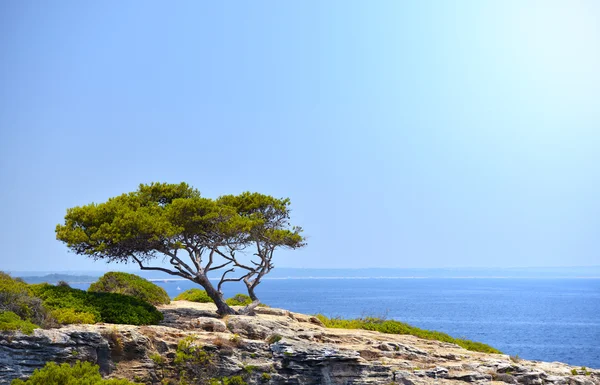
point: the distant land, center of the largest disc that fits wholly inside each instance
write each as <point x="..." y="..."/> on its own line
<point x="307" y="273"/>
<point x="54" y="278"/>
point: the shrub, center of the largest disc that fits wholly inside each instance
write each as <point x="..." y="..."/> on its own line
<point x="396" y="327"/>
<point x="239" y="300"/>
<point x="105" y="307"/>
<point x="71" y="316"/>
<point x="130" y="284"/>
<point x="10" y="321"/>
<point x="194" y="295"/>
<point x="274" y="338"/>
<point x="233" y="380"/>
<point x="16" y="297"/>
<point x="195" y="364"/>
<point x="65" y="374"/>
<point x="157" y="359"/>
<point x="190" y="353"/>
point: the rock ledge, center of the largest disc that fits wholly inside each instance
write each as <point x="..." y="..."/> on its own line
<point x="275" y="347"/>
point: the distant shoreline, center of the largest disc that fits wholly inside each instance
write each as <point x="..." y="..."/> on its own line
<point x="574" y="272"/>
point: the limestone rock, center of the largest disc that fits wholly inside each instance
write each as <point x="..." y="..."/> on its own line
<point x="274" y="347"/>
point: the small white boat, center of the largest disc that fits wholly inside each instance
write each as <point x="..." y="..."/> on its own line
<point x="178" y="288"/>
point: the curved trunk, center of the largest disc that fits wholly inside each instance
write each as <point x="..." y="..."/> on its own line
<point x="216" y="296"/>
<point x="223" y="308"/>
<point x="249" y="309"/>
<point x="251" y="293"/>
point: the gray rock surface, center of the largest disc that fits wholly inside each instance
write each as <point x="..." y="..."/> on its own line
<point x="275" y="347"/>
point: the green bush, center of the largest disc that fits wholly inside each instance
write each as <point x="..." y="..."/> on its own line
<point x="16" y="297"/>
<point x="71" y="316"/>
<point x="10" y="321"/>
<point x="396" y="327"/>
<point x="239" y="300"/>
<point x="82" y="373"/>
<point x="105" y="307"/>
<point x="64" y="297"/>
<point x="130" y="284"/>
<point x="194" y="295"/>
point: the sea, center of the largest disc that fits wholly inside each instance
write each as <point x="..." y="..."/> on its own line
<point x="542" y="316"/>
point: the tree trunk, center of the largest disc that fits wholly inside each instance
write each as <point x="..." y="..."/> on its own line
<point x="249" y="309"/>
<point x="217" y="297"/>
<point x="251" y="293"/>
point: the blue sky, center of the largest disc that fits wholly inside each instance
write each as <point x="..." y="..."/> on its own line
<point x="407" y="134"/>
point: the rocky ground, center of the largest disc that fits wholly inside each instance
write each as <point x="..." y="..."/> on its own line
<point x="274" y="347"/>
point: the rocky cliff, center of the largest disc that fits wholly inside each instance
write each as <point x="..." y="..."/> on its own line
<point x="274" y="347"/>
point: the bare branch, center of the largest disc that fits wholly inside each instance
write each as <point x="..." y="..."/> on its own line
<point x="210" y="261"/>
<point x="171" y="272"/>
<point x="234" y="260"/>
<point x="218" y="267"/>
<point x="174" y="257"/>
<point x="223" y="280"/>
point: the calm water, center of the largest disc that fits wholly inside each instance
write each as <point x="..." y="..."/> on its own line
<point x="538" y="319"/>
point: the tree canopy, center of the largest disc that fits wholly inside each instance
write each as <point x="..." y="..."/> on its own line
<point x="234" y="236"/>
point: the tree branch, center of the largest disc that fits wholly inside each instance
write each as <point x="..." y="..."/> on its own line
<point x="181" y="274"/>
<point x="223" y="280"/>
<point x="218" y="267"/>
<point x="210" y="261"/>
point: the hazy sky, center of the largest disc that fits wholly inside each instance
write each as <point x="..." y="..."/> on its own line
<point x="407" y="134"/>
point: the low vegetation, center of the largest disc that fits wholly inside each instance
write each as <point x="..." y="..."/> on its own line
<point x="194" y="295"/>
<point x="65" y="374"/>
<point x="104" y="307"/>
<point x="24" y="307"/>
<point x="239" y="300"/>
<point x="130" y="284"/>
<point x="11" y="322"/>
<point x="397" y="327"/>
<point x="233" y="380"/>
<point x="194" y="363"/>
<point x="16" y="297"/>
<point x="197" y="295"/>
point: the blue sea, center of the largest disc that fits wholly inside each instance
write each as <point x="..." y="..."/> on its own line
<point x="549" y="319"/>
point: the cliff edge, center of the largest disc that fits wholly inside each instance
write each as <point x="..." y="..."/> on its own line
<point x="275" y="347"/>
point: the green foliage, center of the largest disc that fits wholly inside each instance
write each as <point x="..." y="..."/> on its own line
<point x="248" y="369"/>
<point x="188" y="352"/>
<point x="194" y="363"/>
<point x="236" y="339"/>
<point x="71" y="316"/>
<point x="148" y="220"/>
<point x="273" y="338"/>
<point x="233" y="380"/>
<point x="396" y="327"/>
<point x="131" y="284"/>
<point x="265" y="377"/>
<point x="16" y="297"/>
<point x="63" y="297"/>
<point x="239" y="300"/>
<point x="10" y="321"/>
<point x="157" y="359"/>
<point x="170" y="220"/>
<point x="583" y="371"/>
<point x="105" y="307"/>
<point x="82" y="373"/>
<point x="194" y="295"/>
